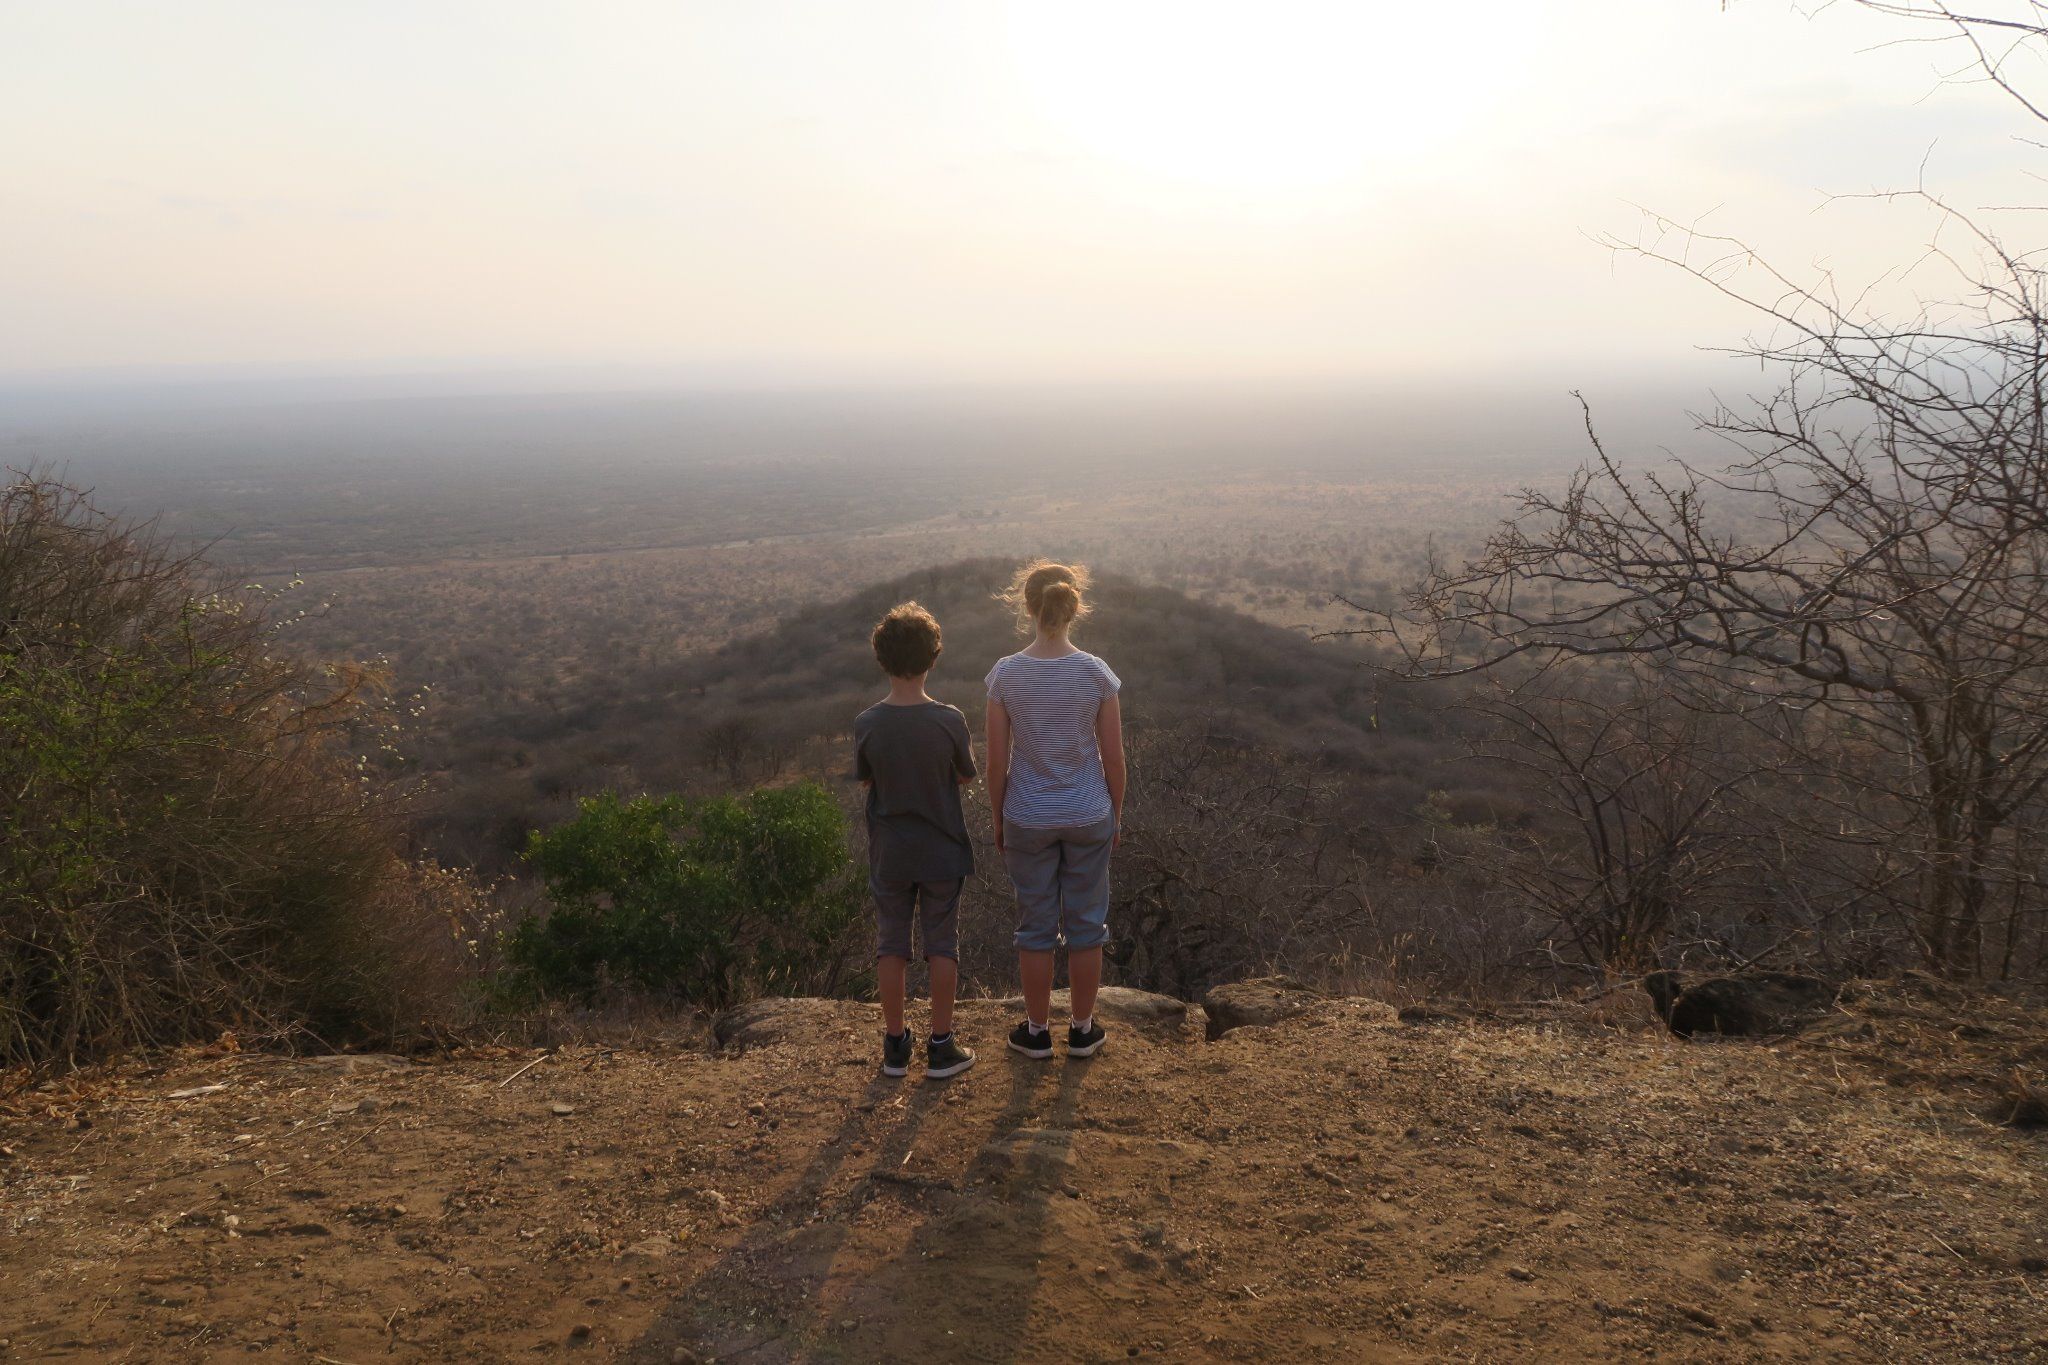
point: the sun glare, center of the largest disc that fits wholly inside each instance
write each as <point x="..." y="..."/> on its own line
<point x="1261" y="100"/>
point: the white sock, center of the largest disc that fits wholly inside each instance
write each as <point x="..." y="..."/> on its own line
<point x="1083" y="1025"/>
<point x="1034" y="1025"/>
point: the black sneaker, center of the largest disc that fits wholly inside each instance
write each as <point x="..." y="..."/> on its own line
<point x="896" y="1053"/>
<point x="1031" y="1044"/>
<point x="1087" y="1044"/>
<point x="945" y="1057"/>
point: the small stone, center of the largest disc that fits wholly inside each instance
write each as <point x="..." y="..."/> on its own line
<point x="756" y="1107"/>
<point x="561" y="1110"/>
<point x="648" y="1249"/>
<point x="1521" y="1272"/>
<point x="580" y="1332"/>
<point x="847" y="1324"/>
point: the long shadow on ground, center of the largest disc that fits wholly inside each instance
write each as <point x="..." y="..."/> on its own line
<point x="838" y="1279"/>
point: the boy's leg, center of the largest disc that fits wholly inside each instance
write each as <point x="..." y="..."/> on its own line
<point x="889" y="975"/>
<point x="939" y="913"/>
<point x="945" y="981"/>
<point x="895" y="904"/>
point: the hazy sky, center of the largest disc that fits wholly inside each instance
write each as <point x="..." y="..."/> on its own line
<point x="773" y="189"/>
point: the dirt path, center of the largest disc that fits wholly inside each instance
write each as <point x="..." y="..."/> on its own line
<point x="1340" y="1186"/>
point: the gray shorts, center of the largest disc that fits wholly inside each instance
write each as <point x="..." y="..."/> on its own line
<point x="936" y="904"/>
<point x="1062" y="881"/>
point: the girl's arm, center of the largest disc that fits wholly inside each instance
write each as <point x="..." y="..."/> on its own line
<point x="1109" y="737"/>
<point x="998" y="763"/>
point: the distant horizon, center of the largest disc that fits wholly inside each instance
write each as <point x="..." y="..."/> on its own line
<point x="226" y="387"/>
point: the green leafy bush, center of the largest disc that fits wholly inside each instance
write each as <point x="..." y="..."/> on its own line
<point x="708" y="901"/>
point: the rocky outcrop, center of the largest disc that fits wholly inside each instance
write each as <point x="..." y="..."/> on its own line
<point x="1160" y="1015"/>
<point x="1749" y="1004"/>
<point x="758" y="1023"/>
<point x="1264" y="1000"/>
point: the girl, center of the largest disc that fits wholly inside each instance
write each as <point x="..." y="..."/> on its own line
<point x="1056" y="785"/>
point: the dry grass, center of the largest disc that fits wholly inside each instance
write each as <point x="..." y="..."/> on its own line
<point x="1472" y="1189"/>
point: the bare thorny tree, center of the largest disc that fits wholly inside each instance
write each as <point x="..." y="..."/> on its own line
<point x="1233" y="863"/>
<point x="1642" y="837"/>
<point x="1865" y="581"/>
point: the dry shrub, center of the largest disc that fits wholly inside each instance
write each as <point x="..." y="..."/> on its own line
<point x="2023" y="1103"/>
<point x="412" y="963"/>
<point x="191" y="842"/>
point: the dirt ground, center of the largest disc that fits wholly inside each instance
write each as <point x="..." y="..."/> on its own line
<point x="1340" y="1186"/>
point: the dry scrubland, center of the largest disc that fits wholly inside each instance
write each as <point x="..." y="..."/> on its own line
<point x="545" y="624"/>
<point x="1559" y="1181"/>
<point x="555" y="676"/>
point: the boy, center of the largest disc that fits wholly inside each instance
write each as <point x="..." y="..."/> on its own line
<point x="913" y="755"/>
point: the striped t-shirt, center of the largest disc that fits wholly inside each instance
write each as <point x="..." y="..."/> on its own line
<point x="1056" y="777"/>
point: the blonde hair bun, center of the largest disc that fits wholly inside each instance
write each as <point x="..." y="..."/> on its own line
<point x="1048" y="596"/>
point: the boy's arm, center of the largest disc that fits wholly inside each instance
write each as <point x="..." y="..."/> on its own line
<point x="1109" y="737"/>
<point x="963" y="753"/>
<point x="998" y="763"/>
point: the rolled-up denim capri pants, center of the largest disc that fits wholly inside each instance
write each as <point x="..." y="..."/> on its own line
<point x="1062" y="881"/>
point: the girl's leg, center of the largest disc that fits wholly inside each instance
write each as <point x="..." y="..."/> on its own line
<point x="1084" y="977"/>
<point x="1032" y="858"/>
<point x="1084" y="905"/>
<point x="889" y="973"/>
<point x="1036" y="970"/>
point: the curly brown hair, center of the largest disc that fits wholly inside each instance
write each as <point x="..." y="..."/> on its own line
<point x="907" y="641"/>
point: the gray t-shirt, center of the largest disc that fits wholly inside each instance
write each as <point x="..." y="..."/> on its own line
<point x="913" y="757"/>
<point x="1056" y="777"/>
